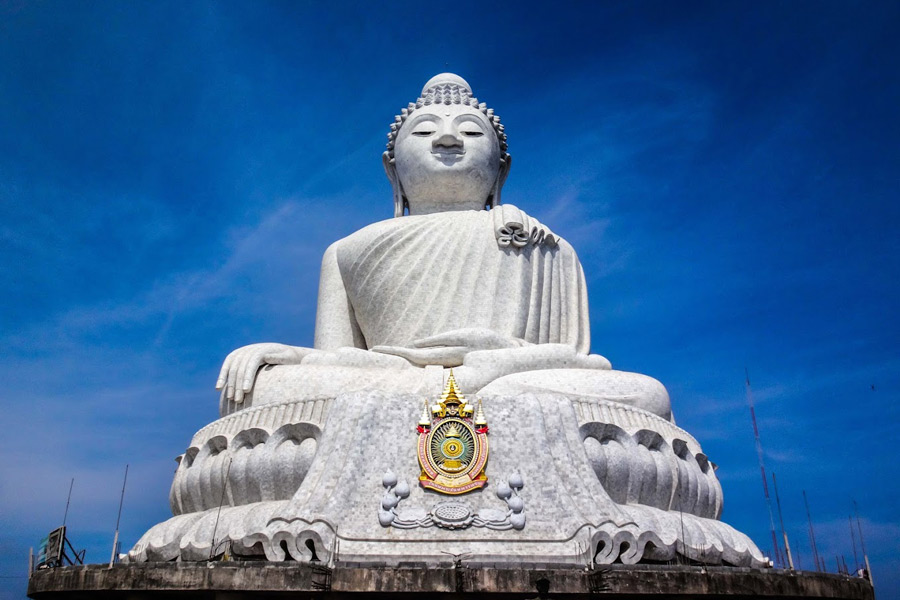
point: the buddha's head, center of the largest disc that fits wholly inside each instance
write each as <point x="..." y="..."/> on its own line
<point x="446" y="151"/>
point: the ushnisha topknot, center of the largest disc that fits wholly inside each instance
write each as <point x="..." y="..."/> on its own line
<point x="446" y="88"/>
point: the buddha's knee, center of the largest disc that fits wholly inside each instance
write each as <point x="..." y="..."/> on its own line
<point x="632" y="389"/>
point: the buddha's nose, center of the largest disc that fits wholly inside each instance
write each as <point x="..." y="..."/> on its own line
<point x="448" y="140"/>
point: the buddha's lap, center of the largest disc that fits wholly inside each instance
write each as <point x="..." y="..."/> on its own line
<point x="623" y="387"/>
<point x="280" y="383"/>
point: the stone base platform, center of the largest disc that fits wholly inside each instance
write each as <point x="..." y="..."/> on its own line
<point x="227" y="580"/>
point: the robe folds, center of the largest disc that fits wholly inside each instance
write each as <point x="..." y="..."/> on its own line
<point x="411" y="277"/>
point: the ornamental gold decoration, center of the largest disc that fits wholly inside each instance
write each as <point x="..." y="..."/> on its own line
<point x="453" y="444"/>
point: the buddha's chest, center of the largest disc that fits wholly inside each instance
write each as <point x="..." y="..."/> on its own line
<point x="413" y="277"/>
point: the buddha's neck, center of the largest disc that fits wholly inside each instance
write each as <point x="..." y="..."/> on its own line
<point x="437" y="206"/>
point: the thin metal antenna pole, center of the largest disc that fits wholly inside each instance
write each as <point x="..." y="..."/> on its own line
<point x="112" y="559"/>
<point x="68" y="499"/>
<point x="762" y="468"/>
<point x="212" y="545"/>
<point x="862" y="543"/>
<point x="812" y="535"/>
<point x="787" y="545"/>
<point x="853" y="540"/>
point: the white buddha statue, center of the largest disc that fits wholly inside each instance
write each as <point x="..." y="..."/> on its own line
<point x="315" y="447"/>
<point x="455" y="279"/>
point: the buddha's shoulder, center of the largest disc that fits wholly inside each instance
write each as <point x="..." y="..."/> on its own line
<point x="403" y="224"/>
<point x="494" y="223"/>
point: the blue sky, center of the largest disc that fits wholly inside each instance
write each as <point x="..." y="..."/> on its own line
<point x="170" y="174"/>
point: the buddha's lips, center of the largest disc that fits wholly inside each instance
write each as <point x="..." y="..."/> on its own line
<point x="449" y="156"/>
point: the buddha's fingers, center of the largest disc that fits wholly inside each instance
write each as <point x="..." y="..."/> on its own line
<point x="249" y="369"/>
<point x="251" y="364"/>
<point x="223" y="372"/>
<point x="474" y="338"/>
<point x="237" y="378"/>
<point x="238" y="374"/>
<point x="445" y="356"/>
<point x="231" y="380"/>
<point x="449" y="338"/>
<point x="289" y="356"/>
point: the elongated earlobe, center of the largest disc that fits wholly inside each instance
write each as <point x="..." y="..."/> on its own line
<point x="505" y="164"/>
<point x="391" y="171"/>
<point x="398" y="203"/>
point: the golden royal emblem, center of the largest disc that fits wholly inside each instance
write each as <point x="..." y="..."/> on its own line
<point x="453" y="445"/>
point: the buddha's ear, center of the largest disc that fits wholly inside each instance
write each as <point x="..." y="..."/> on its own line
<point x="502" y="174"/>
<point x="390" y="170"/>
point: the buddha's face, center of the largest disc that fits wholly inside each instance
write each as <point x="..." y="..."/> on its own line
<point x="447" y="157"/>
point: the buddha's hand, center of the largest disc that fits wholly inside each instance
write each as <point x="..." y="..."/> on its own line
<point x="450" y="348"/>
<point x="239" y="370"/>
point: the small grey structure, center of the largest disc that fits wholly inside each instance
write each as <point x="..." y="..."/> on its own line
<point x="316" y="456"/>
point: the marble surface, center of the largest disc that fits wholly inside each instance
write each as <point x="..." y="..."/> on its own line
<point x="603" y="483"/>
<point x="459" y="274"/>
<point x="315" y="450"/>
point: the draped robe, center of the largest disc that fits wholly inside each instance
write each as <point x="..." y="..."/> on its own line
<point x="407" y="278"/>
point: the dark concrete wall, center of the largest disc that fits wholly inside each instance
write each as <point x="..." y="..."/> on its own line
<point x="227" y="580"/>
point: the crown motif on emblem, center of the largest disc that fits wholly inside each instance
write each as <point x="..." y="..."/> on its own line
<point x="452" y="402"/>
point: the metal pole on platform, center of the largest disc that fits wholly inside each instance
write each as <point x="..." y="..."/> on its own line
<point x="853" y="541"/>
<point x="862" y="543"/>
<point x="683" y="540"/>
<point x="812" y="535"/>
<point x="762" y="470"/>
<point x="115" y="548"/>
<point x="787" y="545"/>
